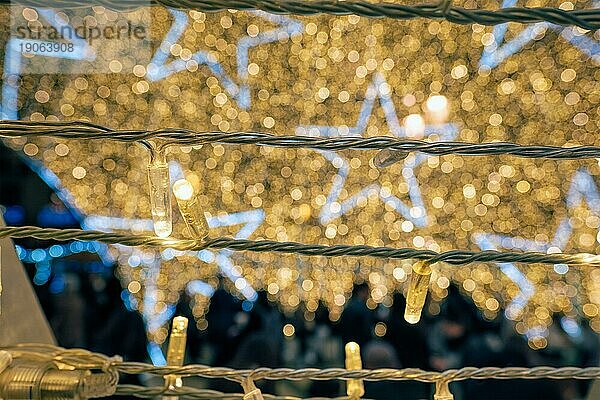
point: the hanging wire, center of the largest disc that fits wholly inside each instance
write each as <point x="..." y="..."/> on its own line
<point x="186" y="137"/>
<point x="453" y="257"/>
<point x="587" y="19"/>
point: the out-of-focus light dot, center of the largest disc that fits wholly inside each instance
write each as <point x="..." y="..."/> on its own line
<point x="38" y="255"/>
<point x="79" y="172"/>
<point x="561" y="268"/>
<point x="30" y="149"/>
<point x="134" y="261"/>
<point x="339" y="300"/>
<point x="399" y="274"/>
<point x="380" y="329"/>
<point x="469" y="191"/>
<point x="55" y="251"/>
<point x="523" y="186"/>
<point x="115" y="66"/>
<point x="568" y="75"/>
<point x="289" y="330"/>
<point x="134" y="286"/>
<point x="590" y="310"/>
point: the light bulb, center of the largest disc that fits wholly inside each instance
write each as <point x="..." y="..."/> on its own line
<point x="354" y="387"/>
<point x="417" y="291"/>
<point x="190" y="209"/>
<point x="177" y="339"/>
<point x="386" y="157"/>
<point x="414" y="125"/>
<point x="437" y="108"/>
<point x="176" y="353"/>
<point x="160" y="196"/>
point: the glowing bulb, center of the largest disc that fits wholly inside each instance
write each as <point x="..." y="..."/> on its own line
<point x="354" y="387"/>
<point x="190" y="209"/>
<point x="386" y="157"/>
<point x="176" y="353"/>
<point x="417" y="291"/>
<point x="160" y="196"/>
<point x="437" y="108"/>
<point x="414" y="125"/>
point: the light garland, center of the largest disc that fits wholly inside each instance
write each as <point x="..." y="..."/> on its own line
<point x="183" y="137"/>
<point x="78" y="359"/>
<point x="587" y="19"/>
<point x="329" y="78"/>
<point x="453" y="257"/>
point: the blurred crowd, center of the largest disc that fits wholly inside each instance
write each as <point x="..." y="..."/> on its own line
<point x="89" y="313"/>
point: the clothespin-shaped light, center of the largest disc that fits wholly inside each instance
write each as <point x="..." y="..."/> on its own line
<point x="160" y="194"/>
<point x="442" y="391"/>
<point x="251" y="392"/>
<point x="386" y="157"/>
<point x="417" y="291"/>
<point x="190" y="209"/>
<point x="176" y="352"/>
<point x="355" y="388"/>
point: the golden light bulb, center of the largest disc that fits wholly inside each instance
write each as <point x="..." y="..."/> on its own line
<point x="354" y="387"/>
<point x="176" y="353"/>
<point x="386" y="157"/>
<point x="160" y="196"/>
<point x="190" y="209"/>
<point x="417" y="291"/>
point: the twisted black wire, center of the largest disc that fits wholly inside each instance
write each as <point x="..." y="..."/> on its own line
<point x="413" y="374"/>
<point x="587" y="19"/>
<point x="187" y="392"/>
<point x="85" y="130"/>
<point x="454" y="257"/>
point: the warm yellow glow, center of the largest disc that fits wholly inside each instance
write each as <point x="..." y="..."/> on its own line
<point x="415" y="126"/>
<point x="183" y="190"/>
<point x="437" y="108"/>
<point x="328" y="75"/>
<point x="160" y="198"/>
<point x="417" y="291"/>
<point x="354" y="387"/>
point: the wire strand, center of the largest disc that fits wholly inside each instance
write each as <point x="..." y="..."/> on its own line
<point x="194" y="393"/>
<point x="453" y="257"/>
<point x="413" y="374"/>
<point x="587" y="18"/>
<point x="185" y="137"/>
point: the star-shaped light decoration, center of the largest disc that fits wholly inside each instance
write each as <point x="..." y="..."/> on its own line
<point x="333" y="208"/>
<point x="159" y="68"/>
<point x="495" y="51"/>
<point x="582" y="190"/>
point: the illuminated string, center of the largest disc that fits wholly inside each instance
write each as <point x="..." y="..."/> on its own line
<point x="186" y="137"/>
<point x="587" y="19"/>
<point x="454" y="257"/>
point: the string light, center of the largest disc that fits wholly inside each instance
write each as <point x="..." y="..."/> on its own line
<point x="417" y="291"/>
<point x="355" y="388"/>
<point x="190" y="209"/>
<point x="176" y="352"/>
<point x="320" y="70"/>
<point x="160" y="194"/>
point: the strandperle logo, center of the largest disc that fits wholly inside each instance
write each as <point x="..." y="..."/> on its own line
<point x="125" y="30"/>
<point x="91" y="39"/>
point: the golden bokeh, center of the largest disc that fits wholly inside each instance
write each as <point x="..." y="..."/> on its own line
<point x="548" y="92"/>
